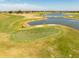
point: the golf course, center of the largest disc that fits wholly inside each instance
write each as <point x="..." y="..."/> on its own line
<point x="19" y="40"/>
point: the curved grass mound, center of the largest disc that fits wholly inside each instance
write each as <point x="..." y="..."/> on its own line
<point x="49" y="41"/>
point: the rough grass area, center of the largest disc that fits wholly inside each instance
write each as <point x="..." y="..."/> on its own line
<point x="46" y="41"/>
<point x="9" y="23"/>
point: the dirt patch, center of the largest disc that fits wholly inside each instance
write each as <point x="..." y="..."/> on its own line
<point x="30" y="15"/>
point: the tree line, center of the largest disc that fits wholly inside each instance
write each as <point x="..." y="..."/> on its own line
<point x="19" y="11"/>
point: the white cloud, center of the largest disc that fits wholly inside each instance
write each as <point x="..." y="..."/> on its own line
<point x="9" y="6"/>
<point x="8" y="0"/>
<point x="2" y="0"/>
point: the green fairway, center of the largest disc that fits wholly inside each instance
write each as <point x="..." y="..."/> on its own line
<point x="34" y="41"/>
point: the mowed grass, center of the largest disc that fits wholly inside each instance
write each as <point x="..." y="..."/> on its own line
<point x="47" y="41"/>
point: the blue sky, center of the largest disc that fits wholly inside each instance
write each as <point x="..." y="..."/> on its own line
<point x="39" y="5"/>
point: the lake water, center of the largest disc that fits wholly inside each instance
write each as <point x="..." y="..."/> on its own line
<point x="60" y="20"/>
<point x="54" y="15"/>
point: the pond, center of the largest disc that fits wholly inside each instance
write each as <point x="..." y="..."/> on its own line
<point x="54" y="20"/>
<point x="54" y="15"/>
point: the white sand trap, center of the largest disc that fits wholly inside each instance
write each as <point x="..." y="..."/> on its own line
<point x="52" y="25"/>
<point x="39" y="26"/>
<point x="71" y="16"/>
<point x="46" y="25"/>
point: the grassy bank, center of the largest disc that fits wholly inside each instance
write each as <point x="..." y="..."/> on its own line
<point x="73" y="16"/>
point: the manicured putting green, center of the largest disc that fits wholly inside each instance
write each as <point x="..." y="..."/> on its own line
<point x="34" y="33"/>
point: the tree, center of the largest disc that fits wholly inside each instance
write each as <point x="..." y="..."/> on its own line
<point x="10" y="12"/>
